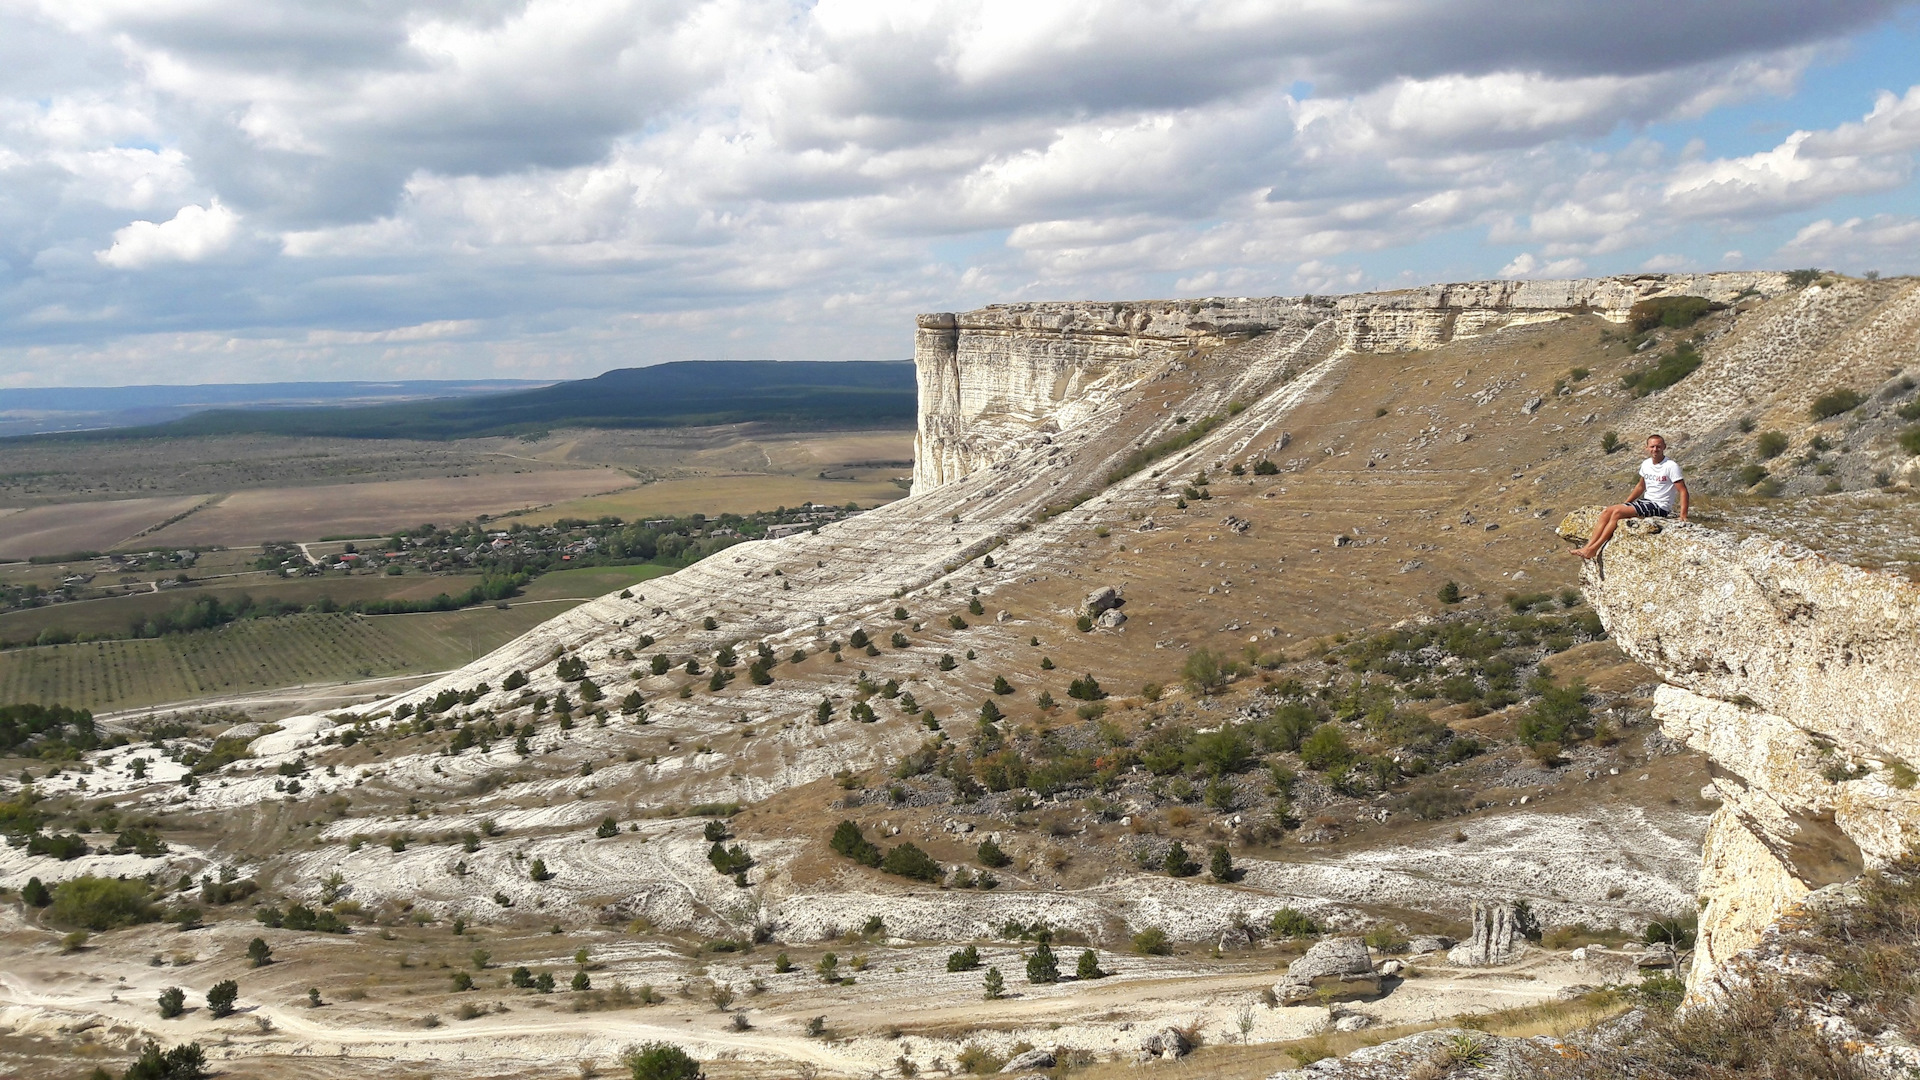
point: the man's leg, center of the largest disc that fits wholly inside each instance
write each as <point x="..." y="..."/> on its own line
<point x="1610" y="519"/>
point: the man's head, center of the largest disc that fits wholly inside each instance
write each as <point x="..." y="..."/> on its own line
<point x="1656" y="448"/>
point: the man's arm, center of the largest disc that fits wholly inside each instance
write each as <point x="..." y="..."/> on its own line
<point x="1681" y="485"/>
<point x="1639" y="489"/>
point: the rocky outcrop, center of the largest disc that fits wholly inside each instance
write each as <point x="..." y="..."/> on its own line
<point x="1799" y="678"/>
<point x="1494" y="940"/>
<point x="999" y="379"/>
<point x="1334" y="968"/>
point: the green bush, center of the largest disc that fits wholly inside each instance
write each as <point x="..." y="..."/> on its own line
<point x="661" y="1061"/>
<point x="1834" y="402"/>
<point x="1206" y="672"/>
<point x="1560" y="716"/>
<point x="1326" y="749"/>
<point x="1771" y="444"/>
<point x="1291" y="923"/>
<point x="1672" y="312"/>
<point x="95" y="903"/>
<point x="1152" y="942"/>
<point x="1088" y="966"/>
<point x="967" y="959"/>
<point x="1750" y="475"/>
<point x="909" y="861"/>
<point x="1450" y="593"/>
<point x="173" y="1002"/>
<point x="1671" y="368"/>
<point x="221" y="996"/>
<point x="848" y="841"/>
<point x="1910" y="440"/>
<point x="1043" y="967"/>
<point x="184" y="1062"/>
<point x="991" y="856"/>
<point x="1610" y="442"/>
<point x="1177" y="864"/>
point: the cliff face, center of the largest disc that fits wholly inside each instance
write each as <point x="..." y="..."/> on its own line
<point x="992" y="379"/>
<point x="1800" y="679"/>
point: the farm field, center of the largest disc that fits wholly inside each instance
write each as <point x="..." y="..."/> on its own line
<point x="114" y="614"/>
<point x="264" y="654"/>
<point x="84" y="526"/>
<point x="308" y="513"/>
<point x="712" y="495"/>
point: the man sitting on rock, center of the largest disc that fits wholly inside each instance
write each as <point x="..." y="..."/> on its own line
<point x="1652" y="497"/>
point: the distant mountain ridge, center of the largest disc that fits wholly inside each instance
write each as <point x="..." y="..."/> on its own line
<point x="789" y="394"/>
<point x="39" y="409"/>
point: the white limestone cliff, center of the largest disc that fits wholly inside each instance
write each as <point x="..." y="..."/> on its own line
<point x="1799" y="678"/>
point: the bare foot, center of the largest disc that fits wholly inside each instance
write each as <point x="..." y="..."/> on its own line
<point x="1584" y="553"/>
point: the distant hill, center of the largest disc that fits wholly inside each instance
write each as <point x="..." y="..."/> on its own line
<point x="788" y="394"/>
<point x="35" y="409"/>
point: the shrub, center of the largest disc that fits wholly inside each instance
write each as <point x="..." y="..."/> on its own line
<point x="1205" y="672"/>
<point x="173" y="1002"/>
<point x="94" y="903"/>
<point x="967" y="959"/>
<point x="221" y="996"/>
<point x="991" y="856"/>
<point x="909" y="861"/>
<point x="539" y="872"/>
<point x="1834" y="402"/>
<point x="1088" y="966"/>
<point x="36" y="893"/>
<point x="956" y="622"/>
<point x="1676" y="365"/>
<point x="1263" y="467"/>
<point x="1559" y="716"/>
<point x="1910" y="440"/>
<point x="184" y="1062"/>
<point x="1750" y="475"/>
<point x="1673" y="312"/>
<point x="1326" y="749"/>
<point x="608" y="827"/>
<point x="1450" y="593"/>
<point x="1177" y="864"/>
<point x="1291" y="923"/>
<point x="661" y="1061"/>
<point x="1086" y="688"/>
<point x="1220" y="864"/>
<point x="1771" y="444"/>
<point x="848" y="841"/>
<point x="1610" y="442"/>
<point x="1152" y="942"/>
<point x="995" y="983"/>
<point x="259" y="953"/>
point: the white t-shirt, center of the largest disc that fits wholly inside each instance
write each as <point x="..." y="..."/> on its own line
<point x="1660" y="480"/>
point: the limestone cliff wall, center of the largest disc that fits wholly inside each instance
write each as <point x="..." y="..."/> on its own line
<point x="1799" y="678"/>
<point x="992" y="379"/>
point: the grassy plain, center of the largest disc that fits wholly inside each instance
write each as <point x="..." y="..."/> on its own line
<point x="262" y="654"/>
<point x="84" y="526"/>
<point x="307" y="513"/>
<point x="738" y="494"/>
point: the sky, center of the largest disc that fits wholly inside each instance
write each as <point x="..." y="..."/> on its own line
<point x="267" y="190"/>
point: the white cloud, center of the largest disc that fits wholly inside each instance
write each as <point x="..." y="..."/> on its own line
<point x="1888" y="242"/>
<point x="193" y="234"/>
<point x="653" y="171"/>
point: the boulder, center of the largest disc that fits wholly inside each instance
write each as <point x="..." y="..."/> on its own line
<point x="1339" y="965"/>
<point x="1353" y="1022"/>
<point x="1429" y="943"/>
<point x="1102" y="598"/>
<point x="1112" y="618"/>
<point x="1031" y="1061"/>
<point x="1166" y="1044"/>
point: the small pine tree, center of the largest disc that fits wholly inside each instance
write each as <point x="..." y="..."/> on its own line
<point x="539" y="872"/>
<point x="1450" y="593"/>
<point x="1177" y="864"/>
<point x="967" y="959"/>
<point x="36" y="894"/>
<point x="782" y="964"/>
<point x="991" y="855"/>
<point x="259" y="952"/>
<point x="608" y="827"/>
<point x="1221" y="864"/>
<point x="581" y="982"/>
<point x="221" y="996"/>
<point x="1088" y="967"/>
<point x="974" y="607"/>
<point x="173" y="1002"/>
<point x="995" y="983"/>
<point x="1042" y="966"/>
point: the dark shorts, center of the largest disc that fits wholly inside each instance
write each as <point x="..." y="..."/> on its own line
<point x="1647" y="508"/>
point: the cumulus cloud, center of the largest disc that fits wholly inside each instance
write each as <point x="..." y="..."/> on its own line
<point x="193" y="234"/>
<point x="591" y="182"/>
<point x="1889" y="242"/>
